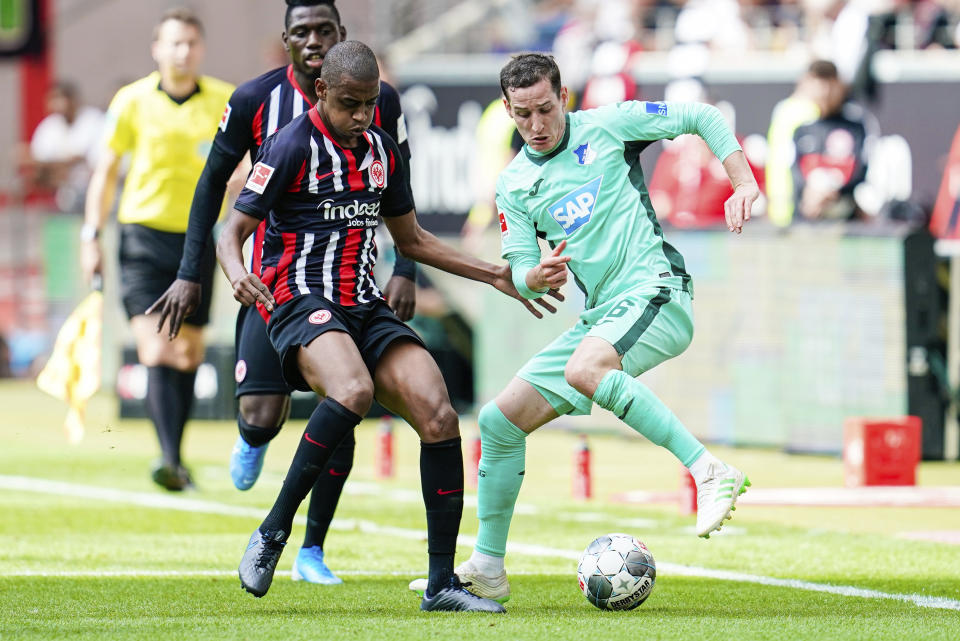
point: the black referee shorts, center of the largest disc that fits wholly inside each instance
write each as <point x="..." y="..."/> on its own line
<point x="373" y="327"/>
<point x="149" y="259"/>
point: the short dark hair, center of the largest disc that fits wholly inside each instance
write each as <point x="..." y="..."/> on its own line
<point x="293" y="4"/>
<point x="349" y="58"/>
<point x="526" y="70"/>
<point x="823" y="69"/>
<point x="180" y="14"/>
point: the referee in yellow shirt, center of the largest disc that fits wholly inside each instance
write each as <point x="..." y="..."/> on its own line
<point x="166" y="123"/>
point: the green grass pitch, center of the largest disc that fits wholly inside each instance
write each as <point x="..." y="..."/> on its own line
<point x="90" y="549"/>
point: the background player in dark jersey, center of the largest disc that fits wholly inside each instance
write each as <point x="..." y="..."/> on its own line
<point x="325" y="180"/>
<point x="255" y="111"/>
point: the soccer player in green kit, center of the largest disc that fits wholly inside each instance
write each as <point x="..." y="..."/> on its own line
<point x="578" y="184"/>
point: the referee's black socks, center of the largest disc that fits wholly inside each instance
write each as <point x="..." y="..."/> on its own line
<point x="327" y="427"/>
<point x="169" y="401"/>
<point x="441" y="479"/>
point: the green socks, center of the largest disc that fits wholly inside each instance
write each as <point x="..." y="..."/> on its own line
<point x="634" y="404"/>
<point x="499" y="479"/>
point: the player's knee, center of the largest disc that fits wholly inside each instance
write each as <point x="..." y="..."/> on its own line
<point x="265" y="410"/>
<point x="582" y="377"/>
<point x="443" y="425"/>
<point x="356" y="394"/>
<point x="496" y="431"/>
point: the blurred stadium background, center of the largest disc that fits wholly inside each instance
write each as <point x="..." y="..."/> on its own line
<point x="800" y="326"/>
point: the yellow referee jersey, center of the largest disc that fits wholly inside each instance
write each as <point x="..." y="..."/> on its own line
<point x="168" y="145"/>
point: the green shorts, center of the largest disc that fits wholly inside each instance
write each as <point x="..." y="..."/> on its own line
<point x="645" y="326"/>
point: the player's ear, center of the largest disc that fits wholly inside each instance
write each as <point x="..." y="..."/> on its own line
<point x="564" y="96"/>
<point x="343" y="33"/>
<point x="286" y="44"/>
<point x="506" y="105"/>
<point x="320" y="87"/>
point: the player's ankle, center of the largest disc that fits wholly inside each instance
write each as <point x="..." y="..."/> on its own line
<point x="698" y="469"/>
<point x="487" y="564"/>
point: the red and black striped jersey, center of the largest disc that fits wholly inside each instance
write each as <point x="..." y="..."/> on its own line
<point x="322" y="203"/>
<point x="261" y="106"/>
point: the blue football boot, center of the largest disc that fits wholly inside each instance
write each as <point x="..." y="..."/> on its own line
<point x="310" y="567"/>
<point x="246" y="461"/>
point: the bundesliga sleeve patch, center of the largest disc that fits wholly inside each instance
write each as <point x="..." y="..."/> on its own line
<point x="504" y="230"/>
<point x="259" y="177"/>
<point x="658" y="108"/>
<point x="225" y="118"/>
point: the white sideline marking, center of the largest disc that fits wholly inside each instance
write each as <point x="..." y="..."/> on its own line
<point x="163" y="501"/>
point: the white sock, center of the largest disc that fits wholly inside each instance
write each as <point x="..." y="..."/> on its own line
<point x="488" y="565"/>
<point x="699" y="467"/>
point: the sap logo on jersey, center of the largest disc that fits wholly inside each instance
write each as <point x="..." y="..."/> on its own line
<point x="573" y="211"/>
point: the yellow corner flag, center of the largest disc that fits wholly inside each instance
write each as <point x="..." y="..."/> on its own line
<point x="73" y="372"/>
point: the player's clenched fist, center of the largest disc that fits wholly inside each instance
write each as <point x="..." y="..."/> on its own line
<point x="551" y="273"/>
<point x="249" y="290"/>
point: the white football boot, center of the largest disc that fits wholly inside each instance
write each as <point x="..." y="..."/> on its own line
<point x="496" y="587"/>
<point x="717" y="496"/>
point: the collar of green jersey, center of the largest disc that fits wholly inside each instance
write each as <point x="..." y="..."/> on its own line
<point x="540" y="158"/>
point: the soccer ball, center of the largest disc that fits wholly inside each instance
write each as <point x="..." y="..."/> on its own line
<point x="616" y="572"/>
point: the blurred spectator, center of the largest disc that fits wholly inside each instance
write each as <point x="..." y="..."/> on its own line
<point x="689" y="185"/>
<point x="831" y="157"/>
<point x="610" y="80"/>
<point x="5" y="370"/>
<point x="800" y="108"/>
<point x="946" y="211"/>
<point x="63" y="147"/>
<point x="495" y="147"/>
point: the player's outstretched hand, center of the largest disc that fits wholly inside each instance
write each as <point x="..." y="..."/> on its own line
<point x="180" y="300"/>
<point x="504" y="283"/>
<point x="401" y="295"/>
<point x="737" y="208"/>
<point x="250" y="290"/>
<point x="552" y="270"/>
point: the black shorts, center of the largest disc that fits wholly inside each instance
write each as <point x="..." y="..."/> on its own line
<point x="258" y="369"/>
<point x="373" y="327"/>
<point x="149" y="259"/>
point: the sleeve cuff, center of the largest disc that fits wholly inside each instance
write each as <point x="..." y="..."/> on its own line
<point x="520" y="282"/>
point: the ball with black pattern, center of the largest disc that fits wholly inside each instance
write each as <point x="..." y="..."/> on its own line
<point x="616" y="572"/>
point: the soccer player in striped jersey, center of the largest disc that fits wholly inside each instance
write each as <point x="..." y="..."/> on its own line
<point x="324" y="181"/>
<point x="255" y="111"/>
<point x="577" y="183"/>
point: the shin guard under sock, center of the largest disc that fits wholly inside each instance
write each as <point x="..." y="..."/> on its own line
<point x="502" y="466"/>
<point x="634" y="404"/>
<point x="441" y="479"/>
<point x="327" y="490"/>
<point x="328" y="425"/>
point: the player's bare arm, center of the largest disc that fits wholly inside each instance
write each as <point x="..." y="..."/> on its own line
<point x="247" y="287"/>
<point x="422" y="246"/>
<point x="737" y="208"/>
<point x="100" y="195"/>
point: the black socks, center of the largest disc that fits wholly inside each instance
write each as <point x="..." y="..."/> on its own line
<point x="169" y="401"/>
<point x="328" y="426"/>
<point x="441" y="479"/>
<point x="326" y="492"/>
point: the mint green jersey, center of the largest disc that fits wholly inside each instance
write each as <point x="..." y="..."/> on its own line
<point x="590" y="191"/>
